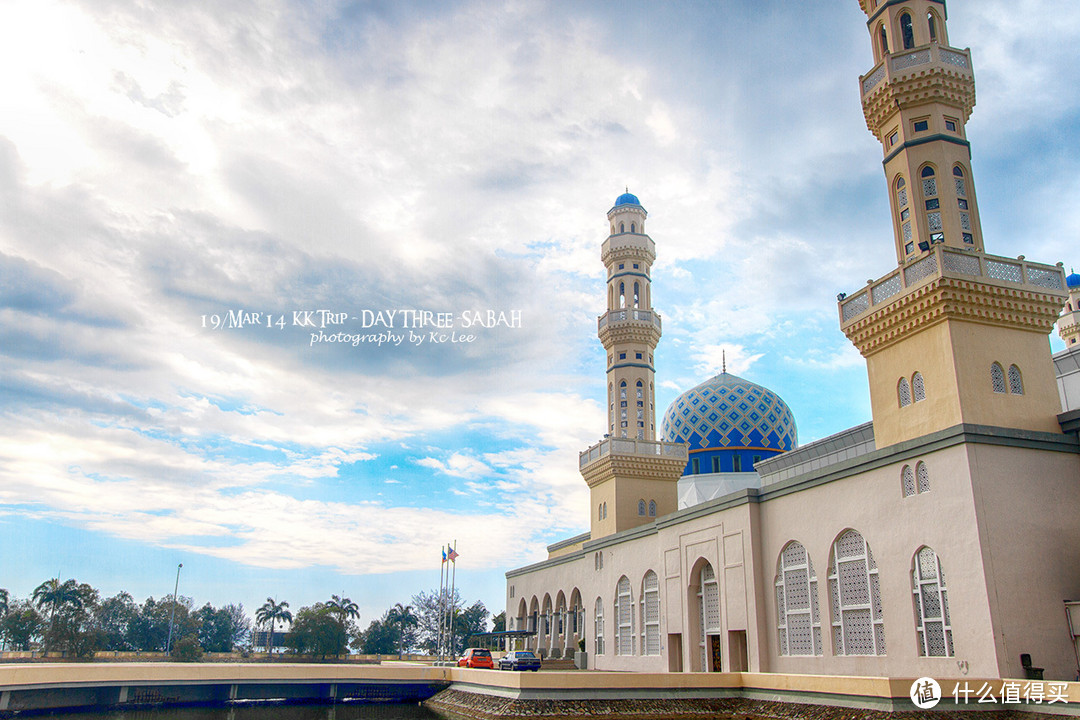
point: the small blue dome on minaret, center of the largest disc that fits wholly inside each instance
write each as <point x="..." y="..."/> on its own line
<point x="1073" y="280"/>
<point x="627" y="199"/>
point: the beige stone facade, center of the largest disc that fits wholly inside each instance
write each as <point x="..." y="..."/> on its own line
<point x="941" y="539"/>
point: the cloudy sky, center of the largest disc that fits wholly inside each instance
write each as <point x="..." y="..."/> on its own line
<point x="164" y="164"/>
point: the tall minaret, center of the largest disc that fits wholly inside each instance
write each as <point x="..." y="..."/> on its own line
<point x="629" y="330"/>
<point x="917" y="100"/>
<point x="632" y="478"/>
<point x="952" y="336"/>
<point x="1069" y="322"/>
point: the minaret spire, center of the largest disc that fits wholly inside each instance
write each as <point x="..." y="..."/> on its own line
<point x="723" y="356"/>
<point x="917" y="99"/>
<point x="943" y="332"/>
<point x="629" y="330"/>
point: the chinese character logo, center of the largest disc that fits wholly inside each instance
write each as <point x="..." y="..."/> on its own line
<point x="925" y="693"/>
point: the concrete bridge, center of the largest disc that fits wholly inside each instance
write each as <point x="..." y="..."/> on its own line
<point x="490" y="694"/>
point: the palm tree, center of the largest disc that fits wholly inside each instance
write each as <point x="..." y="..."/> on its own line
<point x="402" y="616"/>
<point x="55" y="595"/>
<point x="270" y="614"/>
<point x="344" y="608"/>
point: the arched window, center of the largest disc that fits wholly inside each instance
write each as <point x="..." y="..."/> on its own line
<point x="605" y="511"/>
<point x="622" y="227"/>
<point x="598" y="628"/>
<point x="930" y="191"/>
<point x="903" y="392"/>
<point x="633" y="227"/>
<point x="622" y="390"/>
<point x="906" y="32"/>
<point x="858" y="623"/>
<point x="907" y="481"/>
<point x="931" y="24"/>
<point x="624" y="618"/>
<point x="883" y="40"/>
<point x="901" y="192"/>
<point x="905" y="214"/>
<point x="652" y="508"/>
<point x="637" y="296"/>
<point x="932" y="623"/>
<point x="650" y="614"/>
<point x="798" y="621"/>
<point x="622" y="295"/>
<point x="960" y="182"/>
<point x="923" y="476"/>
<point x="997" y="378"/>
<point x="1016" y="382"/>
<point x="918" y="389"/>
<point x="641" y="508"/>
<point x="929" y="181"/>
<point x="600" y="511"/>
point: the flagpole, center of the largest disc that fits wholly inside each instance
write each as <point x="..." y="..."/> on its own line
<point x="453" y="587"/>
<point x="439" y="606"/>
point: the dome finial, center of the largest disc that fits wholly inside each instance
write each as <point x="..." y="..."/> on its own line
<point x="723" y="359"/>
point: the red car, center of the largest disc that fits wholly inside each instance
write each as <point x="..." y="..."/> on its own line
<point x="476" y="658"/>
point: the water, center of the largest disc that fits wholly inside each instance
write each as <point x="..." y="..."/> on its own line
<point x="267" y="711"/>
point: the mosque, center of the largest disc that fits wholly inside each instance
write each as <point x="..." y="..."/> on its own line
<point x="946" y="529"/>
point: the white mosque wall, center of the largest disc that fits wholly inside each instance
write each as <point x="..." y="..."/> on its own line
<point x="1067" y="368"/>
<point x="1000" y="519"/>
<point x="696" y="489"/>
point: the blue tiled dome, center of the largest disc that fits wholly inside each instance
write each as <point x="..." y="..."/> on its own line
<point x="1072" y="280"/>
<point x="627" y="199"/>
<point x="727" y="413"/>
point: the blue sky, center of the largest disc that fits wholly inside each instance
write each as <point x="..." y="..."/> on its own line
<point x="164" y="162"/>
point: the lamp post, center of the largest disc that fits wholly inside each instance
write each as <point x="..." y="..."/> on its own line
<point x="172" y="615"/>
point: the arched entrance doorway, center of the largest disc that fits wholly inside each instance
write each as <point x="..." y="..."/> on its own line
<point x="708" y="616"/>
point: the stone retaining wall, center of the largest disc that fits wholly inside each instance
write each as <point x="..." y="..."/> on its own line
<point x="461" y="705"/>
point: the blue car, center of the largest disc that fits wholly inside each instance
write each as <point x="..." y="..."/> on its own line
<point x="519" y="660"/>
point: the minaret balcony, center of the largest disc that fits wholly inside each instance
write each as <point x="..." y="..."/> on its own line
<point x="900" y="64"/>
<point x="629" y="450"/>
<point x="930" y="73"/>
<point x="628" y="246"/>
<point x="628" y="315"/>
<point x="953" y="283"/>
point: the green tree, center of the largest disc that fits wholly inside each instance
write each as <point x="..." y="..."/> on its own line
<point x="115" y="618"/>
<point x="71" y="625"/>
<point x="345" y="608"/>
<point x="271" y="613"/>
<point x="468" y="622"/>
<point x="403" y="618"/>
<point x="186" y="649"/>
<point x="318" y="630"/>
<point x="21" y="624"/>
<point x="498" y="622"/>
<point x="150" y="629"/>
<point x="380" y="638"/>
<point x="55" y="595"/>
<point x="222" y="629"/>
<point x="4" y="600"/>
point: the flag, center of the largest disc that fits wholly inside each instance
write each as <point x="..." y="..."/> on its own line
<point x="453" y="555"/>
<point x="444" y="554"/>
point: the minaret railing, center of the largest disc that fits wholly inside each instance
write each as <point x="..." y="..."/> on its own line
<point x="947" y="262"/>
<point x="629" y="446"/>
<point x="899" y="64"/>
<point x="644" y="316"/>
